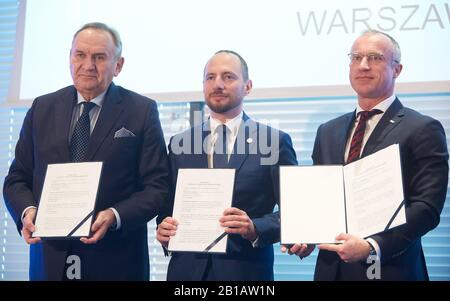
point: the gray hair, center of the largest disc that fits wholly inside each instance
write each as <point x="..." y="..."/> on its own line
<point x="102" y="26"/>
<point x="397" y="54"/>
<point x="244" y="66"/>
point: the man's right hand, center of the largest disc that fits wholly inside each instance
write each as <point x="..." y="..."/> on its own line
<point x="28" y="227"/>
<point x="166" y="229"/>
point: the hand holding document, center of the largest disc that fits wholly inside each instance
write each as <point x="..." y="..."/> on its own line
<point x="68" y="200"/>
<point x="201" y="197"/>
<point x="362" y="198"/>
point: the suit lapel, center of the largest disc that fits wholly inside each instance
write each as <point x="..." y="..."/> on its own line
<point x="389" y="121"/>
<point x="343" y="135"/>
<point x="63" y="118"/>
<point x="247" y="137"/>
<point x="109" y="114"/>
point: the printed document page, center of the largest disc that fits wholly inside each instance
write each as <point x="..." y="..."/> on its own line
<point x="201" y="197"/>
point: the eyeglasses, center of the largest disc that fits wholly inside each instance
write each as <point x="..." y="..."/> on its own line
<point x="372" y="58"/>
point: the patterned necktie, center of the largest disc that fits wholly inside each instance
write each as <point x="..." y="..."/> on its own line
<point x="358" y="135"/>
<point x="81" y="133"/>
<point x="220" y="156"/>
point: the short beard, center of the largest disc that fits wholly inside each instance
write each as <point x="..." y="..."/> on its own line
<point x="220" y="109"/>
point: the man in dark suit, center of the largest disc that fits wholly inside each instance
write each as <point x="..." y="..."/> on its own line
<point x="251" y="225"/>
<point x="374" y="66"/>
<point x="123" y="131"/>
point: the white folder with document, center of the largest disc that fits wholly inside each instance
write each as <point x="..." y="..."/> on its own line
<point x="363" y="198"/>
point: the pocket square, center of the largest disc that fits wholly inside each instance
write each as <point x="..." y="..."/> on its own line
<point x="123" y="133"/>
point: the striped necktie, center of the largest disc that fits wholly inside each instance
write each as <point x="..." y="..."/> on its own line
<point x="358" y="135"/>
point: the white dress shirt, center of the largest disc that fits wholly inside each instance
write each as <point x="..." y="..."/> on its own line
<point x="93" y="113"/>
<point x="371" y="123"/>
<point x="232" y="130"/>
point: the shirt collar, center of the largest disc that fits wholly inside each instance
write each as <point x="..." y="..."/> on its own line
<point x="382" y="106"/>
<point x="231" y="124"/>
<point x="97" y="100"/>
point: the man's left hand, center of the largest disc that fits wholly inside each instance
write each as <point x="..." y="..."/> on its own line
<point x="353" y="248"/>
<point x="236" y="221"/>
<point x="301" y="250"/>
<point x="102" y="223"/>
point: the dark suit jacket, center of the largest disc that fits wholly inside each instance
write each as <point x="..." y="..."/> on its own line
<point x="134" y="180"/>
<point x="255" y="192"/>
<point x="424" y="160"/>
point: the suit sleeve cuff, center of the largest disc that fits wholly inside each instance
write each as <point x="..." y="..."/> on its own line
<point x="24" y="211"/>
<point x="118" y="222"/>
<point x="375" y="245"/>
<point x="255" y="243"/>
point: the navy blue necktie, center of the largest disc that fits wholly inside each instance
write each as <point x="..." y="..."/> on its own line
<point x="220" y="156"/>
<point x="81" y="133"/>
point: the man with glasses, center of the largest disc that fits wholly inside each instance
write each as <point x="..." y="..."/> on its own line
<point x="381" y="120"/>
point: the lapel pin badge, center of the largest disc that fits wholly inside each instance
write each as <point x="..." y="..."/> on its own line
<point x="249" y="140"/>
<point x="391" y="121"/>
